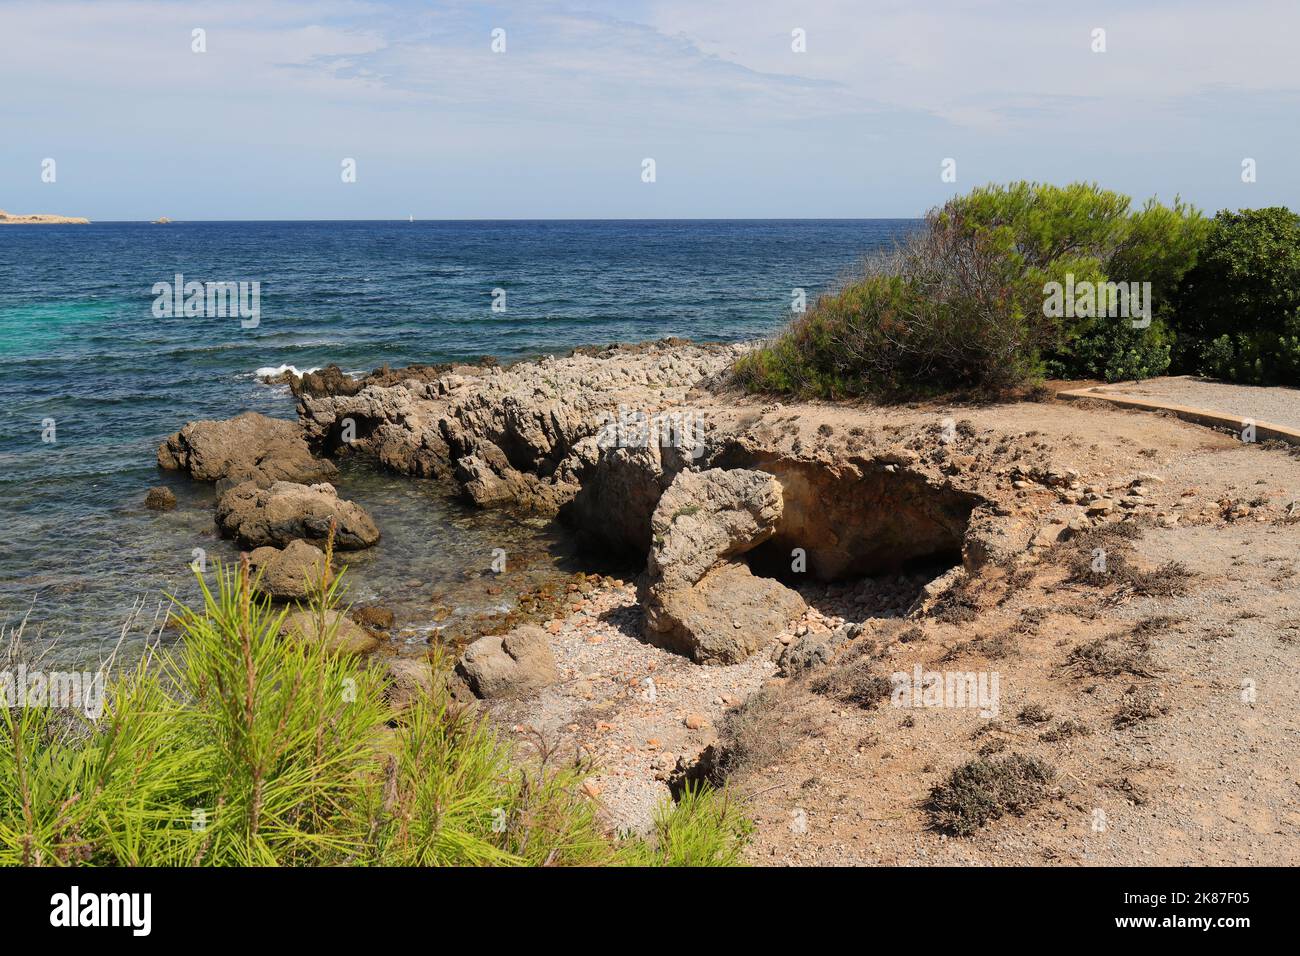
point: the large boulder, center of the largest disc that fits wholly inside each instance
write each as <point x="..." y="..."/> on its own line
<point x="339" y="635"/>
<point x="513" y="665"/>
<point x="277" y="515"/>
<point x="728" y="615"/>
<point x="698" y="599"/>
<point x="287" y="575"/>
<point x="706" y="516"/>
<point x="248" y="447"/>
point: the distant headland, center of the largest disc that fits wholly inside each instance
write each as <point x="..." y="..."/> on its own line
<point x="40" y="218"/>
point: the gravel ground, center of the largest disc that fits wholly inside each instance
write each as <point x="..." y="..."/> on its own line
<point x="1281" y="406"/>
<point x="636" y="709"/>
<point x="630" y="707"/>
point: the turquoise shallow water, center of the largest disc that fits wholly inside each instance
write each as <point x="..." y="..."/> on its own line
<point x="79" y="344"/>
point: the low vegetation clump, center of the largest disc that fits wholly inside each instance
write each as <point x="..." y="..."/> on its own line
<point x="1034" y="714"/>
<point x="1137" y="707"/>
<point x="983" y="790"/>
<point x="1168" y="580"/>
<point x="1065" y="730"/>
<point x="1102" y="557"/>
<point x="995" y="647"/>
<point x="1115" y="570"/>
<point x="762" y="731"/>
<point x="243" y="747"/>
<point x="1116" y="655"/>
<point x="704" y="828"/>
<point x="959" y="604"/>
<point x="1007" y="284"/>
<point x="856" y="683"/>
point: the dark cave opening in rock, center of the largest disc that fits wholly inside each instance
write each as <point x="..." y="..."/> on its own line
<point x="861" y="541"/>
<point x="869" y="519"/>
<point x="856" y="539"/>
<point x="775" y="560"/>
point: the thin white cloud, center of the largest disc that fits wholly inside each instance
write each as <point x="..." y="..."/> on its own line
<point x="742" y="123"/>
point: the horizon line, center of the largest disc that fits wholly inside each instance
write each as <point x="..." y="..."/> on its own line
<point x="176" y="222"/>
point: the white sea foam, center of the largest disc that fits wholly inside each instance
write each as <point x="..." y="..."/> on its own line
<point x="273" y="371"/>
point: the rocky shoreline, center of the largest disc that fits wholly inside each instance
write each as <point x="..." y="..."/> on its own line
<point x="775" y="539"/>
<point x="644" y="453"/>
<point x="40" y="219"/>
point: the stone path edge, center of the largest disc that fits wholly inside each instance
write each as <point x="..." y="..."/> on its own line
<point x="1199" y="416"/>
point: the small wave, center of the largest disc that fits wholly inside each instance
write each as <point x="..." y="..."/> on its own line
<point x="275" y="371"/>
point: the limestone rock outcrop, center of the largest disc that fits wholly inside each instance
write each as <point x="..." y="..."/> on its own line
<point x="339" y="634"/>
<point x="248" y="447"/>
<point x="698" y="600"/>
<point x="275" y="516"/>
<point x="523" y="435"/>
<point x="287" y="574"/>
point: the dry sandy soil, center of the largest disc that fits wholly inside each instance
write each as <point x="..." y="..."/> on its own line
<point x="1160" y="693"/>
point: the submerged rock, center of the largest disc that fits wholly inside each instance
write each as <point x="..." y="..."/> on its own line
<point x="160" y="499"/>
<point x="277" y="515"/>
<point x="374" y="617"/>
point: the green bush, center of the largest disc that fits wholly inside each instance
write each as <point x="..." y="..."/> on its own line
<point x="1114" y="351"/>
<point x="1238" y="310"/>
<point x="947" y="311"/>
<point x="704" y="828"/>
<point x="244" y="748"/>
<point x="963" y="304"/>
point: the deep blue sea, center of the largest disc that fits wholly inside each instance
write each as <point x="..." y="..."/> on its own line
<point x="80" y="345"/>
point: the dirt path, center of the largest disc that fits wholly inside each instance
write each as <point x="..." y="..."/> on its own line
<point x="1278" y="405"/>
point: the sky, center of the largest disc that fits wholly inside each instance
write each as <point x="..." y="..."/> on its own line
<point x="739" y="123"/>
